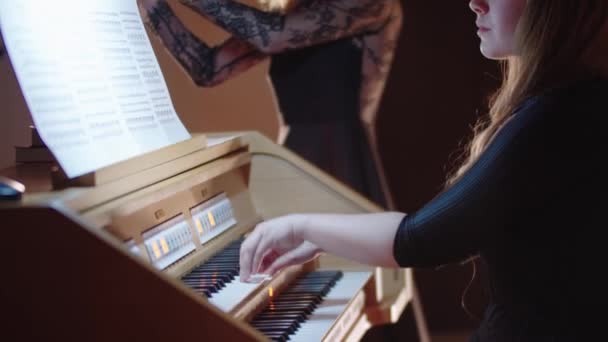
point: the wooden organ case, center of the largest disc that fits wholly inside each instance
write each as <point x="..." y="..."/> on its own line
<point x="132" y="257"/>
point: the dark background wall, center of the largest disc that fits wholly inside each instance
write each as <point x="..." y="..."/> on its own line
<point x="438" y="86"/>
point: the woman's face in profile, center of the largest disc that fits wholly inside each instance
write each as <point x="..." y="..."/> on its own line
<point x="496" y="22"/>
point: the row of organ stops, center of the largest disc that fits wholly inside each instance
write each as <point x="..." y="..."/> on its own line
<point x="286" y="313"/>
<point x="214" y="274"/>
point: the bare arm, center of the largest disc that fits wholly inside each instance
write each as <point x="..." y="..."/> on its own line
<point x="365" y="238"/>
<point x="207" y="66"/>
<point x="311" y="22"/>
<point x="295" y="239"/>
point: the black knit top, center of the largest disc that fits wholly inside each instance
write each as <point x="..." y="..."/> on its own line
<point x="532" y="207"/>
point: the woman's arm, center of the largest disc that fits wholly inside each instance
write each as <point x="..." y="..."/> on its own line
<point x="365" y="238"/>
<point x="294" y="239"/>
<point x="512" y="181"/>
<point x="207" y="66"/>
<point x="310" y="23"/>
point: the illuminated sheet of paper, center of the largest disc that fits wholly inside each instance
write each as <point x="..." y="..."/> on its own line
<point x="91" y="80"/>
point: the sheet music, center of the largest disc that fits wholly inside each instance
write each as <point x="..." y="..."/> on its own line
<point x="91" y="80"/>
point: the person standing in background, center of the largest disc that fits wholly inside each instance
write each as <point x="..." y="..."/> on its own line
<point x="329" y="65"/>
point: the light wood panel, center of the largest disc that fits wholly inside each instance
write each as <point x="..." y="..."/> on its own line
<point x="263" y="180"/>
<point x="245" y="102"/>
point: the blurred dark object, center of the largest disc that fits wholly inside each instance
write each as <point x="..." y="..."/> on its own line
<point x="10" y="189"/>
<point x="328" y="110"/>
<point x="2" y="50"/>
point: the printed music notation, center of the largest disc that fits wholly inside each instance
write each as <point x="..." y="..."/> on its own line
<point x="91" y="80"/>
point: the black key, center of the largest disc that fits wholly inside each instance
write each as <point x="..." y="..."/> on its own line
<point x="204" y="279"/>
<point x="226" y="278"/>
<point x="207" y="288"/>
<point x="305" y="309"/>
<point x="300" y="296"/>
<point x="276" y="328"/>
<point x="290" y="322"/>
<point x="270" y="316"/>
<point x="203" y="292"/>
<point x="291" y="303"/>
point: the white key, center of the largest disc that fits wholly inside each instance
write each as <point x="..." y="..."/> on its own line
<point x="233" y="293"/>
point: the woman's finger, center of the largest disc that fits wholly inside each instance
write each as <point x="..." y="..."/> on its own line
<point x="246" y="254"/>
<point x="263" y="246"/>
<point x="267" y="260"/>
<point x="303" y="253"/>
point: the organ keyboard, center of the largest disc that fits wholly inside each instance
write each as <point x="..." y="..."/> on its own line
<point x="153" y="254"/>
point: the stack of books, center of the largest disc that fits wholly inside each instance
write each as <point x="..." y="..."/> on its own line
<point x="37" y="152"/>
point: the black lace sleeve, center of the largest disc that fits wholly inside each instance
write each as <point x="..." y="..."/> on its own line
<point x="310" y="23"/>
<point x="207" y="66"/>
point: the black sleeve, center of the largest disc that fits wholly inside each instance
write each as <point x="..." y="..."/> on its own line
<point x="507" y="183"/>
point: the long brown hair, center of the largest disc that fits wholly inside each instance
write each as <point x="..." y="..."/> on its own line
<point x="552" y="39"/>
